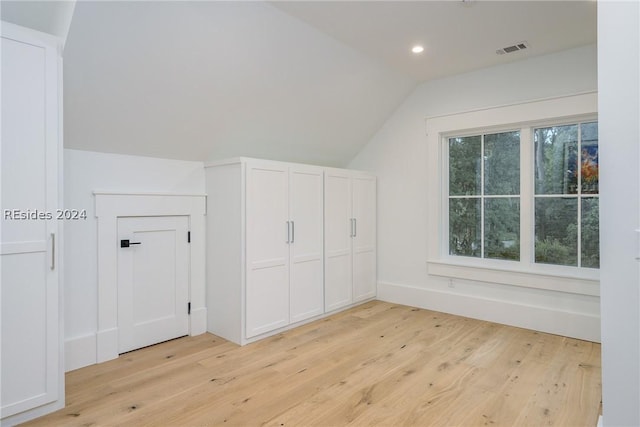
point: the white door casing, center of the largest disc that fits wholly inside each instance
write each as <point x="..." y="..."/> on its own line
<point x="153" y="280"/>
<point x="109" y="206"/>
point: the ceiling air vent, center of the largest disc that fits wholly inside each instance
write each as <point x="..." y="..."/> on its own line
<point x="514" y="48"/>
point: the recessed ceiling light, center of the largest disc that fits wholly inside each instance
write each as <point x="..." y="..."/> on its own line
<point x="417" y="49"/>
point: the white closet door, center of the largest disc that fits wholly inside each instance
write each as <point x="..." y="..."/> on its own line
<point x="153" y="280"/>
<point x="364" y="238"/>
<point x="31" y="369"/>
<point x="337" y="232"/>
<point x="306" y="243"/>
<point x="267" y="251"/>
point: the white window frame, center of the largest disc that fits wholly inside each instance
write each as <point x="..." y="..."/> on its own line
<point x="526" y="117"/>
<point x="579" y="195"/>
<point x="482" y="197"/>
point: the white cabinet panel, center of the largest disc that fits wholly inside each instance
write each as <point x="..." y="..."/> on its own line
<point x="32" y="374"/>
<point x="338" y="274"/>
<point x="267" y="291"/>
<point x="364" y="275"/>
<point x="306" y="243"/>
<point x="26" y="377"/>
<point x="267" y="215"/>
<point x="24" y="145"/>
<point x="364" y="238"/>
<point x="350" y="238"/>
<point x="337" y="232"/>
<point x="267" y="306"/>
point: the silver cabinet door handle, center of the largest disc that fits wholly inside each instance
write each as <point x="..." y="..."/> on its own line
<point x="288" y="233"/>
<point x="293" y="231"/>
<point x="355" y="227"/>
<point x="53" y="251"/>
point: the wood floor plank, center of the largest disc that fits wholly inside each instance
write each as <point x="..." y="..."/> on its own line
<point x="376" y="364"/>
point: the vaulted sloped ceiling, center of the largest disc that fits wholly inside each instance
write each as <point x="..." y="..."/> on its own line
<point x="304" y="81"/>
<point x="209" y="80"/>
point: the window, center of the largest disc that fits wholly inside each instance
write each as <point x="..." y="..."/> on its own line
<point x="484" y="195"/>
<point x="566" y="195"/>
<point x="487" y="183"/>
<point x="485" y="209"/>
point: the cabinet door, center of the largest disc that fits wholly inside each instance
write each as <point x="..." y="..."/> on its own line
<point x="306" y="243"/>
<point x="31" y="370"/>
<point x="364" y="238"/>
<point x="337" y="235"/>
<point x="267" y="250"/>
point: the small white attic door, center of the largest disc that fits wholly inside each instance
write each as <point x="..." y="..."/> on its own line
<point x="153" y="280"/>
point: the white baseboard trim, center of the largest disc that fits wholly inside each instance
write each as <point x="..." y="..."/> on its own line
<point x="80" y="352"/>
<point x="599" y="421"/>
<point x="543" y="319"/>
<point x="83" y="351"/>
<point x="31" y="414"/>
<point x="198" y="321"/>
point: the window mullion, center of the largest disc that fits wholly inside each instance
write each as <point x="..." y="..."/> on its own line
<point x="482" y="196"/>
<point x="579" y="192"/>
<point x="527" y="205"/>
<point x="444" y="228"/>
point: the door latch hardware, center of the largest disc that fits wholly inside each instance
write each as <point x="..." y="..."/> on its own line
<point x="125" y="243"/>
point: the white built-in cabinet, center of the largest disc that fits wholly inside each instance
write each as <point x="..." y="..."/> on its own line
<point x="32" y="373"/>
<point x="266" y="228"/>
<point x="350" y="237"/>
<point x="283" y="245"/>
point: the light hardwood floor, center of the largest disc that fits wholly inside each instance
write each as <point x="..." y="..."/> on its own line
<point x="377" y="364"/>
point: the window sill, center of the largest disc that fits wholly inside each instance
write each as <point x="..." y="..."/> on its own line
<point x="554" y="278"/>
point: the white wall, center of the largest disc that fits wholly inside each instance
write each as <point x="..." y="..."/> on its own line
<point x="397" y="154"/>
<point x="85" y="172"/>
<point x="619" y="111"/>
